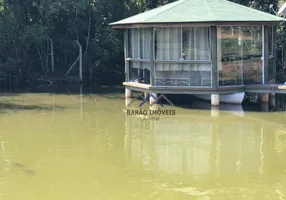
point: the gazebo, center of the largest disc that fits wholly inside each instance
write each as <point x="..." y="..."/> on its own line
<point x="207" y="48"/>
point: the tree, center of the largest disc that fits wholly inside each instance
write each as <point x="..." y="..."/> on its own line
<point x="25" y="26"/>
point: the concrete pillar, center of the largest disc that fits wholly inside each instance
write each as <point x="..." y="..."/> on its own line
<point x="264" y="98"/>
<point x="215" y="111"/>
<point x="151" y="99"/>
<point x="264" y="107"/>
<point x="215" y="100"/>
<point x="128" y="93"/>
<point x="272" y="101"/>
<point x="128" y="101"/>
<point x="146" y="95"/>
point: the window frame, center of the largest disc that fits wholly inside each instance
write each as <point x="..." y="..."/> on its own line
<point x="140" y="60"/>
<point x="153" y="61"/>
<point x="182" y="61"/>
<point x="262" y="51"/>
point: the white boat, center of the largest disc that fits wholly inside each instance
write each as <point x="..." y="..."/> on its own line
<point x="235" y="98"/>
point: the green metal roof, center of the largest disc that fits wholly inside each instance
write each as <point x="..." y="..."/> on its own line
<point x="184" y="11"/>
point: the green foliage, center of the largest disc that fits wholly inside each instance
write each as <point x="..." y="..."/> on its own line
<point x="37" y="33"/>
<point x="25" y="26"/>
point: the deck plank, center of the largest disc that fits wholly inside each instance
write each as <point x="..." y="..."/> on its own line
<point x="255" y="88"/>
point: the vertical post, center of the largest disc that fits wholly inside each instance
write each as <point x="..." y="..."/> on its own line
<point x="282" y="56"/>
<point x="128" y="93"/>
<point x="264" y="98"/>
<point x="240" y="43"/>
<point x="272" y="101"/>
<point x="152" y="100"/>
<point x="181" y="43"/>
<point x="214" y="50"/>
<point x="274" y="35"/>
<point x="80" y="62"/>
<point x="215" y="100"/>
<point x="264" y="107"/>
<point x="126" y="55"/>
<point x="146" y="94"/>
<point x="265" y="39"/>
<point x="52" y="55"/>
<point x="47" y="55"/>
<point x="152" y="51"/>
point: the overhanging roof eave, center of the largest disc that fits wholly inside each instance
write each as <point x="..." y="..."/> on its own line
<point x="206" y="23"/>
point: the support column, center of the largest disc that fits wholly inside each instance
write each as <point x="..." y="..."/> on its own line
<point x="265" y="55"/>
<point x="128" y="93"/>
<point x="274" y="51"/>
<point x="146" y="94"/>
<point x="272" y="99"/>
<point x="264" y="107"/>
<point x="152" y="100"/>
<point x="214" y="49"/>
<point x="264" y="98"/>
<point x="152" y="64"/>
<point x="127" y="73"/>
<point x="215" y="100"/>
<point x="128" y="101"/>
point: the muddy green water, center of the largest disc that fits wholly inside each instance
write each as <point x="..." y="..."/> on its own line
<point x="64" y="146"/>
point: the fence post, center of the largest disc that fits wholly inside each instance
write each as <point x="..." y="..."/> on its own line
<point x="80" y="62"/>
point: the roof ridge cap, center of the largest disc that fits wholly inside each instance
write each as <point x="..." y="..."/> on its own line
<point x="210" y="8"/>
<point x="183" y="1"/>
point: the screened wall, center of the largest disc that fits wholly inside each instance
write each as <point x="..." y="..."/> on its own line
<point x="182" y="56"/>
<point x="139" y="55"/>
<point x="271" y="55"/>
<point x="240" y="53"/>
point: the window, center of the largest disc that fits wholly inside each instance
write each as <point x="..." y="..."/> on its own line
<point x="182" y="57"/>
<point x="139" y="54"/>
<point x="196" y="44"/>
<point x="133" y="43"/>
<point x="168" y="44"/>
<point x="239" y="55"/>
<point x="145" y="41"/>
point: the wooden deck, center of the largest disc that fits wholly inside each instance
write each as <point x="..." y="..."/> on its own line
<point x="268" y="88"/>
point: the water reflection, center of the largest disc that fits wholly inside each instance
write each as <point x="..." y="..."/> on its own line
<point x="196" y="149"/>
<point x="235" y="109"/>
<point x="86" y="145"/>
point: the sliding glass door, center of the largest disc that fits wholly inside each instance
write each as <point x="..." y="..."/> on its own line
<point x="240" y="55"/>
